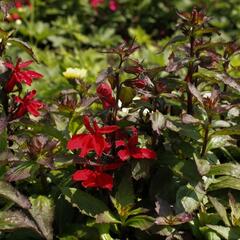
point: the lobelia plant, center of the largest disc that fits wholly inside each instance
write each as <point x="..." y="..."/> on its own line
<point x="145" y="153"/>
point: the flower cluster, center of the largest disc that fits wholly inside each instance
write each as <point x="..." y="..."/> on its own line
<point x="101" y="140"/>
<point x="112" y="4"/>
<point x="19" y="4"/>
<point x="19" y="75"/>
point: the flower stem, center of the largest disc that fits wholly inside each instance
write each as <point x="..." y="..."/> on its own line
<point x="205" y="140"/>
<point x="189" y="76"/>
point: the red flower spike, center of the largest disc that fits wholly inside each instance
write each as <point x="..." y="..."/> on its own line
<point x="90" y="178"/>
<point x="104" y="92"/>
<point x="18" y="75"/>
<point x="92" y="141"/>
<point x="27" y="104"/>
<point x="131" y="150"/>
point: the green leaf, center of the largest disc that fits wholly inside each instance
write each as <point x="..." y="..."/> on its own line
<point x="3" y="123"/>
<point x="209" y="234"/>
<point x="104" y="75"/>
<point x="218" y="142"/>
<point x="24" y="46"/>
<point x="229" y="169"/>
<point x="226" y="79"/>
<point x="227" y="131"/>
<point x="189" y="198"/>
<point x="42" y="211"/>
<point x="142" y="222"/>
<point x="226" y="232"/>
<point x="106" y="217"/>
<point x="194" y="91"/>
<point x="9" y="192"/>
<point x="158" y="121"/>
<point x="140" y="169"/>
<point x="3" y="140"/>
<point x="126" y="95"/>
<point x="203" y="165"/>
<point x="220" y="124"/>
<point x="104" y="232"/>
<point x="204" y="31"/>
<point x="176" y="39"/>
<point x="86" y="203"/>
<point x="235" y="213"/>
<point x="13" y="220"/>
<point x="125" y="193"/>
<point x="225" y="182"/>
<point x="220" y="209"/>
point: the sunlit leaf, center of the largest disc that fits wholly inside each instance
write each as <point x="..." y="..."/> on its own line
<point x="42" y="211"/>
<point x="86" y="203"/>
<point x="9" y="192"/>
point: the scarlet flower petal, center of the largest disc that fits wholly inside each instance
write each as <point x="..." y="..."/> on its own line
<point x="105" y="181"/>
<point x="99" y="144"/>
<point x="27" y="104"/>
<point x="9" y="65"/>
<point x="133" y="141"/>
<point x="92" y="178"/>
<point x="23" y="77"/>
<point x="87" y="145"/>
<point x="18" y="75"/>
<point x="110" y="166"/>
<point x="113" y="5"/>
<point x="104" y="92"/>
<point x="120" y="143"/>
<point x="82" y="175"/>
<point x="25" y="64"/>
<point x="86" y="122"/>
<point x="144" y="153"/>
<point x="33" y="74"/>
<point x="123" y="154"/>
<point x="10" y="84"/>
<point x="108" y="129"/>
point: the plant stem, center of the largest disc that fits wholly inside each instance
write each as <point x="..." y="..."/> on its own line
<point x="205" y="140"/>
<point x="189" y="76"/>
<point x="118" y="89"/>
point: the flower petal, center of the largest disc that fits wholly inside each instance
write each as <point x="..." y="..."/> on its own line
<point x="87" y="124"/>
<point x="123" y="154"/>
<point x="25" y="64"/>
<point x="82" y="175"/>
<point x="99" y="144"/>
<point x="32" y="74"/>
<point x="104" y="181"/>
<point x="143" y="153"/>
<point x="108" y="129"/>
<point x="76" y="141"/>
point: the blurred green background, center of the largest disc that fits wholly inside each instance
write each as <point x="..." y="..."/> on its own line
<point x="71" y="33"/>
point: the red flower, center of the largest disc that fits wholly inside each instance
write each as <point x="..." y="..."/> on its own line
<point x="113" y="5"/>
<point x="27" y="104"/>
<point x="140" y="83"/>
<point x="93" y="140"/>
<point x="13" y="17"/>
<point x="131" y="150"/>
<point x="18" y="75"/>
<point x="95" y="3"/>
<point x="92" y="178"/>
<point x="20" y="3"/>
<point x="104" y="92"/>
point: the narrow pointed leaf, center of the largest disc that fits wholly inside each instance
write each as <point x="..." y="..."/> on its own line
<point x="86" y="203"/>
<point x="42" y="211"/>
<point x="9" y="192"/>
<point x="13" y="220"/>
<point x="220" y="210"/>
